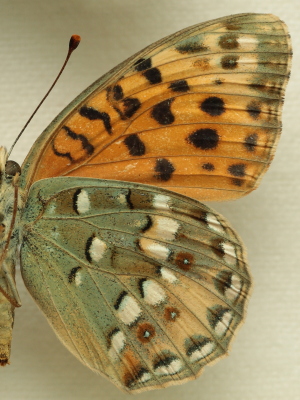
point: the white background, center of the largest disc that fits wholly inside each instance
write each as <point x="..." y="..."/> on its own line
<point x="264" y="359"/>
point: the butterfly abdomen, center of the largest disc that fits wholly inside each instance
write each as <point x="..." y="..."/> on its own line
<point x="6" y="325"/>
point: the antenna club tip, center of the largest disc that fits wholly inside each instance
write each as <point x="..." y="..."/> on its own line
<point x="74" y="42"/>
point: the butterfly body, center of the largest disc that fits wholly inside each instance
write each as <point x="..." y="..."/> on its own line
<point x="10" y="204"/>
<point x="143" y="284"/>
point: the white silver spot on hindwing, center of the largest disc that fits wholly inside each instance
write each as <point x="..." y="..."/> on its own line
<point x="152" y="292"/>
<point x="81" y="201"/>
<point x="213" y="223"/>
<point x="117" y="343"/>
<point x="161" y="202"/>
<point x="234" y="290"/>
<point x="161" y="228"/>
<point x="128" y="309"/>
<point x="220" y="319"/>
<point x="95" y="249"/>
<point x="229" y="253"/>
<point x="199" y="349"/>
<point x="154" y="249"/>
<point x="229" y="284"/>
<point x="169" y="365"/>
<point x="75" y="276"/>
<point x="167" y="275"/>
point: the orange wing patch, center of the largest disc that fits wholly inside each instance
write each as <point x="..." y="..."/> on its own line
<point x="197" y="113"/>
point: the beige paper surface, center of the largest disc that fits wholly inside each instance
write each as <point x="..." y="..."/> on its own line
<point x="264" y="362"/>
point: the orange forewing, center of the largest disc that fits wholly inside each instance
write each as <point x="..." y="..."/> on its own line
<point x="197" y="113"/>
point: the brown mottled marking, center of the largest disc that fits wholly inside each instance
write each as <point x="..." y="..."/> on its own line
<point x="145" y="332"/>
<point x="184" y="261"/>
<point x="171" y="314"/>
<point x="230" y="62"/>
<point x="202" y="63"/>
<point x="216" y="246"/>
<point x="232" y="27"/>
<point x="229" y="42"/>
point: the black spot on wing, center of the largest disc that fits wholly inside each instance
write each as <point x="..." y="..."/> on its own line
<point x="179" y="86"/>
<point x="142" y="64"/>
<point x="153" y="75"/>
<point x="208" y="167"/>
<point x="214" y="106"/>
<point x="135" y="145"/>
<point x="92" y="114"/>
<point x="164" y="169"/>
<point x="238" y="170"/>
<point x="117" y="92"/>
<point x="86" y="145"/>
<point x="254" y="109"/>
<point x="131" y="105"/>
<point x="237" y="182"/>
<point x="162" y="113"/>
<point x="251" y="142"/>
<point x="204" y="139"/>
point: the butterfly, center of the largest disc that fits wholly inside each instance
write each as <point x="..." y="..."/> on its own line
<point x="142" y="282"/>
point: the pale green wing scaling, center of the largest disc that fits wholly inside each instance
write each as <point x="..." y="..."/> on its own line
<point x="142" y="285"/>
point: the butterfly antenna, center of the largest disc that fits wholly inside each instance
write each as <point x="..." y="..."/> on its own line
<point x="73" y="44"/>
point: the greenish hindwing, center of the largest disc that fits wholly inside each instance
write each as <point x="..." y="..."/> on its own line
<point x="126" y="271"/>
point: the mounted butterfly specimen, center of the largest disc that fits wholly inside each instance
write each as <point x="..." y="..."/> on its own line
<point x="143" y="284"/>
